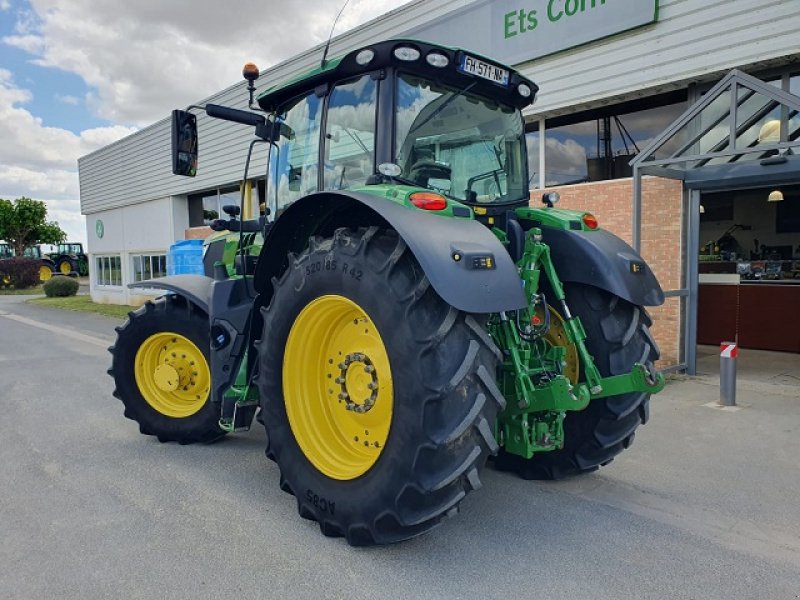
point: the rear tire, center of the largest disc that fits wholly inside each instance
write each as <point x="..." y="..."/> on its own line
<point x="186" y="413"/>
<point x="67" y="265"/>
<point x="443" y="395"/>
<point x="617" y="336"/>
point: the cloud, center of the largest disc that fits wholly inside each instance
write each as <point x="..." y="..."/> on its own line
<point x="66" y="99"/>
<point x="29" y="144"/>
<point x="144" y="57"/>
<point x="41" y="162"/>
<point x="139" y="60"/>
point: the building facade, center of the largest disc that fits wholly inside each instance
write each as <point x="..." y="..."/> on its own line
<point x="613" y="74"/>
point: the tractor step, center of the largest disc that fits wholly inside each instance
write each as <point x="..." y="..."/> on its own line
<point x="237" y="415"/>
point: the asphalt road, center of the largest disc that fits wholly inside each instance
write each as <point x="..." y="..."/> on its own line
<point x="703" y="506"/>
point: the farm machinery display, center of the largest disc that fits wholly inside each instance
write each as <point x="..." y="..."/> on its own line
<point x="397" y="312"/>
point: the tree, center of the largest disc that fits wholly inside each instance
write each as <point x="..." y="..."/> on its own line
<point x="24" y="223"/>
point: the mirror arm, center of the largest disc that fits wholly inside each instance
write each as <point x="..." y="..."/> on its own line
<point x="249" y="226"/>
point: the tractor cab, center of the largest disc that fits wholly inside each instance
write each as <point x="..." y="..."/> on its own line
<point x="405" y="113"/>
<point x="400" y="112"/>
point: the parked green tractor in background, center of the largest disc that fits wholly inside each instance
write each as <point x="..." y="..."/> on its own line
<point x="69" y="258"/>
<point x="397" y="313"/>
<point x="46" y="266"/>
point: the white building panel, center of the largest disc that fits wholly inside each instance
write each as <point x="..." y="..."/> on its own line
<point x="147" y="228"/>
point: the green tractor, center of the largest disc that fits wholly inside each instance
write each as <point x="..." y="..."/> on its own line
<point x="398" y="313"/>
<point x="46" y="266"/>
<point x="69" y="258"/>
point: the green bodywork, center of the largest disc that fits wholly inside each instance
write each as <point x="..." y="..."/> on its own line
<point x="530" y="377"/>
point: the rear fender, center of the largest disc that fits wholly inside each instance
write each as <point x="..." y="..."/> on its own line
<point x="601" y="259"/>
<point x="451" y="251"/>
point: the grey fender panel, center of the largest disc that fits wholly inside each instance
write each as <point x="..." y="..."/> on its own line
<point x="601" y="259"/>
<point x="196" y="288"/>
<point x="433" y="240"/>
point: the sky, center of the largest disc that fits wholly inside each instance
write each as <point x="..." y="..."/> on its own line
<point x="76" y="75"/>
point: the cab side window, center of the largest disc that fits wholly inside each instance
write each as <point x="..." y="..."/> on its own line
<point x="350" y="134"/>
<point x="295" y="165"/>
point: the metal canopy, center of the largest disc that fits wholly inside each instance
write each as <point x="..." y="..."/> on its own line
<point x="742" y="133"/>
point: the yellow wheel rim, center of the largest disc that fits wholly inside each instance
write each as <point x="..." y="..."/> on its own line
<point x="6" y="280"/>
<point x="337" y="387"/>
<point x="65" y="268"/>
<point x="45" y="273"/>
<point x="172" y="374"/>
<point x="557" y="336"/>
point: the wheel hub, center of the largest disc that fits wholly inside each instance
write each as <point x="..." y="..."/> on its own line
<point x="166" y="378"/>
<point x="359" y="382"/>
<point x="172" y="374"/>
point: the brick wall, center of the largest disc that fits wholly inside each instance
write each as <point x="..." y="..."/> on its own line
<point x="611" y="202"/>
<point x="197" y="233"/>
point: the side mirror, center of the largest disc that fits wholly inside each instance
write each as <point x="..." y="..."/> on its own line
<point x="232" y="210"/>
<point x="184" y="143"/>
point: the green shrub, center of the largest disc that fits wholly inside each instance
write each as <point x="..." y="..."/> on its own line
<point x="19" y="272"/>
<point x="61" y="286"/>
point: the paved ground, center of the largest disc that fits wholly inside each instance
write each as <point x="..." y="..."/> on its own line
<point x="705" y="504"/>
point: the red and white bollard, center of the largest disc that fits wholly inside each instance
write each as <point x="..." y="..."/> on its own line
<point x="728" y="351"/>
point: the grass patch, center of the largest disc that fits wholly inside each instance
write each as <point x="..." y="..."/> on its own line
<point x="24" y="292"/>
<point x="84" y="304"/>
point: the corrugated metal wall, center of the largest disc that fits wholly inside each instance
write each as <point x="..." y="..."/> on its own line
<point x="693" y="40"/>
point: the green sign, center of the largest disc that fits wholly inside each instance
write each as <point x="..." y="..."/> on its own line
<point x="99" y="229"/>
<point x="517" y="31"/>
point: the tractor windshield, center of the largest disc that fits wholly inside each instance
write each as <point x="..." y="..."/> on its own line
<point x="464" y="146"/>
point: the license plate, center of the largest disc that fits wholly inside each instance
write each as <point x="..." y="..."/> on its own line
<point x="477" y="67"/>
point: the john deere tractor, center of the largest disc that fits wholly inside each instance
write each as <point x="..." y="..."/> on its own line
<point x="46" y="266"/>
<point x="69" y="258"/>
<point x="396" y="313"/>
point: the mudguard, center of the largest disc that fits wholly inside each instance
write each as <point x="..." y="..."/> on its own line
<point x="465" y="263"/>
<point x="228" y="303"/>
<point x="601" y="259"/>
<point x="196" y="288"/>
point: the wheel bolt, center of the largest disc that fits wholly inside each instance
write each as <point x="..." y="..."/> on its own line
<point x="372" y="385"/>
<point x="369" y="369"/>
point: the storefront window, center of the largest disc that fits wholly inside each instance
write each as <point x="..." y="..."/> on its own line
<point x="602" y="147"/>
<point x="149" y="266"/>
<point x="566" y="151"/>
<point x="794" y="116"/>
<point x="532" y="142"/>
<point x="108" y="270"/>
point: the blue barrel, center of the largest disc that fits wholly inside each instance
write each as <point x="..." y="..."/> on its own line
<point x="185" y="258"/>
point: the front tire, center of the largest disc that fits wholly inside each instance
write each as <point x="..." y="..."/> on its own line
<point x="360" y="302"/>
<point x="161" y="370"/>
<point x="617" y="336"/>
